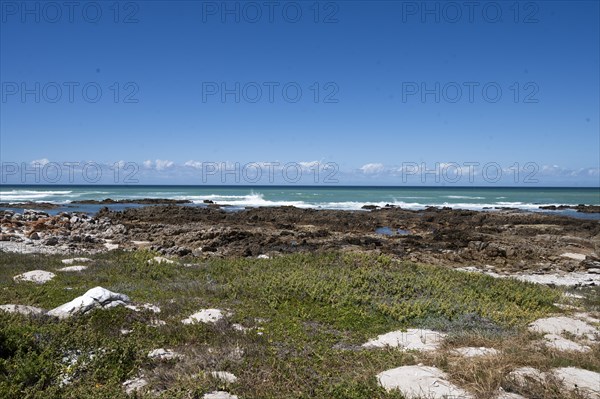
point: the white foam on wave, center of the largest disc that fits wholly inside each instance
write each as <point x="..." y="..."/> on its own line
<point x="254" y="200"/>
<point x="250" y="200"/>
<point x="462" y="197"/>
<point x="93" y="192"/>
<point x="257" y="199"/>
<point x="522" y="205"/>
<point x="30" y="195"/>
<point x="35" y="192"/>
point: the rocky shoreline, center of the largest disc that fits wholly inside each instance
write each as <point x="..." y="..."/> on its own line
<point x="501" y="242"/>
<point x="579" y="208"/>
<point x="143" y="201"/>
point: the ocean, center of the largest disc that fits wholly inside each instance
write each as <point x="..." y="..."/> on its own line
<point x="318" y="197"/>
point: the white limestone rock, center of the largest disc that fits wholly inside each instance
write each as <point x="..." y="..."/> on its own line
<point x="416" y="339"/>
<point x="157" y="323"/>
<point x="145" y="306"/>
<point x="97" y="297"/>
<point x="523" y="375"/>
<point x="559" y="324"/>
<point x="420" y="382"/>
<point x="164" y="354"/>
<point x="219" y="395"/>
<point x="75" y="260"/>
<point x="508" y="395"/>
<point x="205" y="316"/>
<point x="583" y="381"/>
<point x="35" y="276"/>
<point x="22" y="309"/>
<point x="135" y="385"/>
<point x="560" y="343"/>
<point x="161" y="259"/>
<point x="77" y="268"/>
<point x="587" y="317"/>
<point x="110" y="246"/>
<point x="571" y="279"/>
<point x="224" y="376"/>
<point x="574" y="256"/>
<point x="475" y="352"/>
<point x="573" y="296"/>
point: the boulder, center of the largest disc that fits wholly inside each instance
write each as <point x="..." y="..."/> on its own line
<point x="51" y="241"/>
<point x="96" y="298"/>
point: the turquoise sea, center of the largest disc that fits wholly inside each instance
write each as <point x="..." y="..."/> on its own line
<point x="324" y="197"/>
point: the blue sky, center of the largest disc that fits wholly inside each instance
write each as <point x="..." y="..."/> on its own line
<point x="362" y="69"/>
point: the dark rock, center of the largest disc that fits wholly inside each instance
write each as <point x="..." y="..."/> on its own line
<point x="145" y="201"/>
<point x="493" y="250"/>
<point x="371" y="207"/>
<point x="590" y="264"/>
<point x="579" y="208"/>
<point x="51" y="241"/>
<point x="183" y="251"/>
<point x="36" y="205"/>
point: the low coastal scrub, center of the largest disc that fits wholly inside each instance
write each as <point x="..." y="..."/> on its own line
<point x="294" y="326"/>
